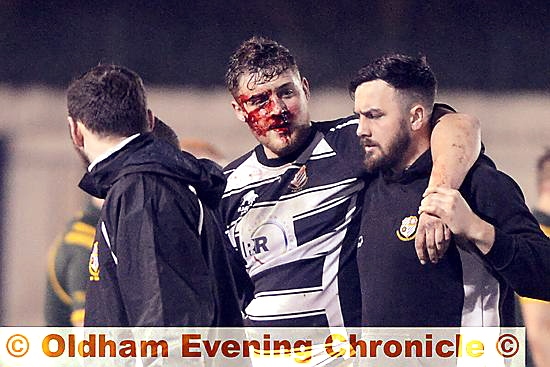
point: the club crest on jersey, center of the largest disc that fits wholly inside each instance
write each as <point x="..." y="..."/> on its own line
<point x="407" y="230"/>
<point x="299" y="180"/>
<point x="246" y="202"/>
<point x="93" y="265"/>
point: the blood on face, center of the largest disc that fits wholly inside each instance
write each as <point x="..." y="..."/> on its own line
<point x="261" y="112"/>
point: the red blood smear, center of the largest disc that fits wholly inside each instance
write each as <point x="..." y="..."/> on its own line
<point x="261" y="119"/>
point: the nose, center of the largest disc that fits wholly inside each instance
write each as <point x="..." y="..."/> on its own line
<point x="363" y="128"/>
<point x="279" y="106"/>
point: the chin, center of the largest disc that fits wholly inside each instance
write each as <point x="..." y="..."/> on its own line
<point x="371" y="164"/>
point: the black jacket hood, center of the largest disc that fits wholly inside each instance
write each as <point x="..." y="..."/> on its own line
<point x="145" y="154"/>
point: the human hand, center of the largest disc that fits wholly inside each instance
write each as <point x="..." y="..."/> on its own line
<point x="454" y="211"/>
<point x="432" y="238"/>
<point x="448" y="205"/>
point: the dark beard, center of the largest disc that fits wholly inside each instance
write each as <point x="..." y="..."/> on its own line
<point x="388" y="161"/>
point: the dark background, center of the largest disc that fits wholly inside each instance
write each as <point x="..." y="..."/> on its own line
<point x="479" y="45"/>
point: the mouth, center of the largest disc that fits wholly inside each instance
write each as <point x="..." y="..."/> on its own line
<point x="369" y="147"/>
<point x="280" y="124"/>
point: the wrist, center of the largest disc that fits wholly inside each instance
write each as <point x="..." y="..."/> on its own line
<point x="483" y="235"/>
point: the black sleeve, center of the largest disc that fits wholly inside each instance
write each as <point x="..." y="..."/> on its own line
<point x="162" y="275"/>
<point x="243" y="283"/>
<point x="521" y="251"/>
<point x="440" y="110"/>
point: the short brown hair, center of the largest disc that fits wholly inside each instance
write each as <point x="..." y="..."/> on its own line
<point x="263" y="58"/>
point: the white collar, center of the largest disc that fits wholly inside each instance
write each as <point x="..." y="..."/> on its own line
<point x="114" y="149"/>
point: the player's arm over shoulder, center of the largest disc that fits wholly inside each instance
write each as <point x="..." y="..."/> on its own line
<point x="455" y="145"/>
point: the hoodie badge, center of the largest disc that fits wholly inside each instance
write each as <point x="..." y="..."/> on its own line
<point x="407" y="230"/>
<point x="93" y="265"/>
<point x="299" y="180"/>
<point x="246" y="202"/>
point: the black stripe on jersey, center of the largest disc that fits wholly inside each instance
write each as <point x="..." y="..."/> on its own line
<point x="305" y="273"/>
<point x="264" y="204"/>
<point x="291" y="314"/>
<point x="312" y="227"/>
<point x="303" y="321"/>
<point x="287" y="292"/>
<point x="255" y="184"/>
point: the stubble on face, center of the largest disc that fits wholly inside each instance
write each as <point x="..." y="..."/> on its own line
<point x="274" y="110"/>
<point x="387" y="156"/>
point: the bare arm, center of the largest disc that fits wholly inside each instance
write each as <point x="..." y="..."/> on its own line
<point x="455" y="146"/>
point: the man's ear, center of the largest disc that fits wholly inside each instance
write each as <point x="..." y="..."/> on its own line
<point x="150" y="120"/>
<point x="239" y="111"/>
<point x="418" y="117"/>
<point x="76" y="133"/>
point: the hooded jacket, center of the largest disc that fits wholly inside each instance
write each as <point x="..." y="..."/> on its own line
<point x="465" y="288"/>
<point x="158" y="257"/>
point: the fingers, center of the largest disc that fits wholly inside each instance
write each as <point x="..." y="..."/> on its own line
<point x="432" y="239"/>
<point x="430" y="244"/>
<point x="438" y="190"/>
<point x="420" y="245"/>
<point x="439" y="239"/>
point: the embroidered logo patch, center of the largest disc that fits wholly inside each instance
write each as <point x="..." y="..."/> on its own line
<point x="93" y="265"/>
<point x="407" y="230"/>
<point x="299" y="180"/>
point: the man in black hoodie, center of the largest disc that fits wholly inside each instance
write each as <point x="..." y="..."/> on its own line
<point x="157" y="257"/>
<point x="502" y="248"/>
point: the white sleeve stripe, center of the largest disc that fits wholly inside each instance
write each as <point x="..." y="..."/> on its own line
<point x="201" y="213"/>
<point x="350" y="122"/>
<point x="106" y="237"/>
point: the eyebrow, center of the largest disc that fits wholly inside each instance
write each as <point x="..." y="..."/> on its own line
<point x="370" y="110"/>
<point x="268" y="92"/>
<point x="286" y="85"/>
<point x="256" y="96"/>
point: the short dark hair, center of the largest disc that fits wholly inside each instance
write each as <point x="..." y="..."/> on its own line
<point x="109" y="100"/>
<point x="404" y="73"/>
<point x="264" y="58"/>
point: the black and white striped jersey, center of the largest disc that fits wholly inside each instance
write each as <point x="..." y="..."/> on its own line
<point x="295" y="223"/>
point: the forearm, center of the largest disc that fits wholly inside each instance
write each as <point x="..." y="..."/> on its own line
<point x="524" y="261"/>
<point x="455" y="145"/>
<point x="482" y="234"/>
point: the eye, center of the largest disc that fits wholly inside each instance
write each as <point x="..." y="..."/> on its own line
<point x="373" y="115"/>
<point x="287" y="92"/>
<point x="258" y="101"/>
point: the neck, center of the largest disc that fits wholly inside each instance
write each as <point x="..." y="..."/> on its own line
<point x="417" y="147"/>
<point x="543" y="203"/>
<point x="96" y="146"/>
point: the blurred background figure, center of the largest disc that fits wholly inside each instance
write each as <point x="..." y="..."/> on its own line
<point x="68" y="268"/>
<point x="536" y="314"/>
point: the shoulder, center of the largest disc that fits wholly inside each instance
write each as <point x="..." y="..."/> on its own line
<point x="138" y="189"/>
<point x="485" y="182"/>
<point x="227" y="170"/>
<point x="339" y="125"/>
